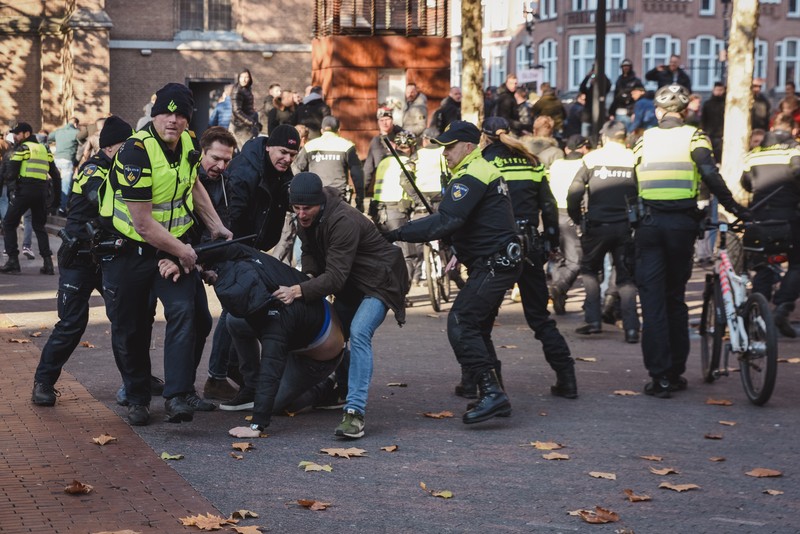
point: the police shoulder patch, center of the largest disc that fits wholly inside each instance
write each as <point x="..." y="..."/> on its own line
<point x="458" y="191"/>
<point x="89" y="169"/>
<point x="138" y="144"/>
<point x="132" y="174"/>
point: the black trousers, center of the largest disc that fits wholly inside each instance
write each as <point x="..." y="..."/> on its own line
<point x="471" y="318"/>
<point x="28" y="197"/>
<point x="789" y="290"/>
<point x="533" y="290"/>
<point x="664" y="250"/>
<point x="75" y="286"/>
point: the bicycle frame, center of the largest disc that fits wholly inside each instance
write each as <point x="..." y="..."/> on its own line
<point x="734" y="294"/>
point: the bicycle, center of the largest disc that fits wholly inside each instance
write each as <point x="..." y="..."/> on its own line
<point x="748" y="320"/>
<point x="438" y="280"/>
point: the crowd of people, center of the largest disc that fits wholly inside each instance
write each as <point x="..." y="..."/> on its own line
<point x="526" y="202"/>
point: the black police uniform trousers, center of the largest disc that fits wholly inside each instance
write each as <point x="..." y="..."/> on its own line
<point x="471" y="318"/>
<point x="566" y="270"/>
<point x="128" y="279"/>
<point x="533" y="290"/>
<point x="664" y="250"/>
<point x="789" y="289"/>
<point x="596" y="242"/>
<point x="27" y="197"/>
<point x="75" y="285"/>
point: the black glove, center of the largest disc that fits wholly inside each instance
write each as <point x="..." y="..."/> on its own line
<point x="392" y="235"/>
<point x="744" y="214"/>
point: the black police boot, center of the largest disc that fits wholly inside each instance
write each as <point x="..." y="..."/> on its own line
<point x="44" y="394"/>
<point x="781" y="319"/>
<point x="493" y="400"/>
<point x="467" y="388"/>
<point x="566" y="385"/>
<point x="178" y="409"/>
<point x="11" y="266"/>
<point x="47" y="268"/>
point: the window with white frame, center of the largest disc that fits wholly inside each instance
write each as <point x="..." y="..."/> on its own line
<point x="704" y="65"/>
<point x="499" y="62"/>
<point x="761" y="51"/>
<point x="547" y="9"/>
<point x="656" y="50"/>
<point x="582" y="56"/>
<point x="206" y="15"/>
<point x="794" y="8"/>
<point x="496" y="17"/>
<point x="707" y="8"/>
<point x="548" y="59"/>
<point x="524" y="58"/>
<point x="787" y="61"/>
<point x="617" y="4"/>
<point x="584" y="5"/>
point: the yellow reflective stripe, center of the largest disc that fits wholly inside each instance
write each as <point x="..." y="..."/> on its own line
<point x="667" y="184"/>
<point x="769" y="157"/>
<point x="511" y="174"/>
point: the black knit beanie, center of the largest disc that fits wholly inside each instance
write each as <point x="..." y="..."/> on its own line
<point x="306" y="190"/>
<point x="115" y="130"/>
<point x="285" y="136"/>
<point x="174" y="98"/>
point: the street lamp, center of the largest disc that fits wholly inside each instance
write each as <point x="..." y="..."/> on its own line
<point x="530" y="12"/>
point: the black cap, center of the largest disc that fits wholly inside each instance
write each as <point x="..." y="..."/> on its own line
<point x="115" y="130"/>
<point x="493" y="124"/>
<point x="330" y="123"/>
<point x="577" y="141"/>
<point x="306" y="190"/>
<point x="459" y="131"/>
<point x="174" y="98"/>
<point x="286" y="136"/>
<point x="21" y="128"/>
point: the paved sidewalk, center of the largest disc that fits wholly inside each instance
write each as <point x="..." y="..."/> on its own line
<point x="42" y="450"/>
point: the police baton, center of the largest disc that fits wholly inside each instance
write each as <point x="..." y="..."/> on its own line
<point x="408" y="174"/>
<point x="212" y="245"/>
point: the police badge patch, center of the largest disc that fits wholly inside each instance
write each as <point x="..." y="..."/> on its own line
<point x="132" y="174"/>
<point x="89" y="169"/>
<point x="459" y="191"/>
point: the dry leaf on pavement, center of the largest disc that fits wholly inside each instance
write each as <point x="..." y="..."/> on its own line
<point x="772" y="492"/>
<point x="598" y="515"/>
<point x="636" y="498"/>
<point x="167" y="456"/>
<point x="717" y="458"/>
<point x="663" y="471"/>
<point x="313" y="505"/>
<point x="600" y="474"/>
<point x="555" y="456"/>
<point x="789" y="360"/>
<point x="652" y="458"/>
<point x="444" y="494"/>
<point x="242" y="446"/>
<point x="15" y="340"/>
<point x="397" y="385"/>
<point x="727" y="423"/>
<point x="626" y="393"/>
<point x="243" y="514"/>
<point x="78" y="488"/>
<point x="87" y="345"/>
<point x="236" y="456"/>
<point x="713" y="436"/>
<point x="438" y="415"/>
<point x="433" y="316"/>
<point x="545" y="445"/>
<point x="36" y="334"/>
<point x="390" y="448"/>
<point x="252" y="529"/>
<point x="678" y="487"/>
<point x="205" y="522"/>
<point x="102" y="439"/>
<point x="311" y="466"/>
<point x="508" y="346"/>
<point x="719" y="402"/>
<point x="344" y="453"/>
<point x="761" y="472"/>
<point x="585" y="359"/>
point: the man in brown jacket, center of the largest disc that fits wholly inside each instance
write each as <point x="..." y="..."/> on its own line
<point x="347" y="257"/>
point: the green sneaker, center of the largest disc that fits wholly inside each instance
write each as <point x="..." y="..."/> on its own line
<point x="352" y="425"/>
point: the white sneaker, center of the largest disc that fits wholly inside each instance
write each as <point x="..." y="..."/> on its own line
<point x="28" y="253"/>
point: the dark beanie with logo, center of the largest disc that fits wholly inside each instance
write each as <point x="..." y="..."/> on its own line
<point x="115" y="130"/>
<point x="285" y="136"/>
<point x="174" y="98"/>
<point x="306" y="190"/>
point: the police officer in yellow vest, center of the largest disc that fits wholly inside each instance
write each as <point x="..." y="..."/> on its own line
<point x="28" y="190"/>
<point x="476" y="214"/>
<point x="670" y="162"/>
<point x="78" y="274"/>
<point x="149" y="199"/>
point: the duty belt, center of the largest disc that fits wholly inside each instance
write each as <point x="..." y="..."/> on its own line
<point x="506" y="258"/>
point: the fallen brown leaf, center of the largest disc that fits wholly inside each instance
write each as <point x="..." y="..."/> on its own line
<point x="772" y="492"/>
<point x="761" y="472"/>
<point x="87" y="345"/>
<point x="251" y="529"/>
<point x="16" y="340"/>
<point x="599" y="515"/>
<point x="508" y="346"/>
<point x="719" y="402"/>
<point x="600" y="474"/>
<point x="36" y="334"/>
<point x="717" y="458"/>
<point x="789" y="360"/>
<point x="636" y="498"/>
<point x="727" y="423"/>
<point x="678" y="487"/>
<point x="313" y="505"/>
<point x="243" y="514"/>
<point x="444" y="494"/>
<point x="102" y="439"/>
<point x="242" y="446"/>
<point x="167" y="456"/>
<point x="652" y="458"/>
<point x="78" y="488"/>
<point x="311" y="466"/>
<point x="555" y="456"/>
<point x="713" y="436"/>
<point x="236" y="456"/>
<point x="543" y="414"/>
<point x="205" y="522"/>
<point x="626" y="393"/>
<point x="390" y="448"/>
<point x="438" y="415"/>
<point x="663" y="471"/>
<point x="586" y="359"/>
<point x="344" y="453"/>
<point x="433" y="316"/>
<point x="546" y="445"/>
<point x="397" y="385"/>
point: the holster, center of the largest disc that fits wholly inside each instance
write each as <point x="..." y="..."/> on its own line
<point x="68" y="251"/>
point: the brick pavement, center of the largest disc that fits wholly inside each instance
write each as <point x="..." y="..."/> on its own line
<point x="43" y="449"/>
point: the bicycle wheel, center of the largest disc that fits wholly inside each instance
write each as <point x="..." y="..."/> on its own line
<point x="433" y="276"/>
<point x="443" y="278"/>
<point x="712" y="329"/>
<point x="759" y="364"/>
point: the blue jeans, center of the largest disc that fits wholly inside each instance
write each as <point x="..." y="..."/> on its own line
<point x="360" y="320"/>
<point x="66" y="168"/>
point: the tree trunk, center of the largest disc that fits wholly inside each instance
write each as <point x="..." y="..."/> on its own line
<point x="471" y="62"/>
<point x="739" y="99"/>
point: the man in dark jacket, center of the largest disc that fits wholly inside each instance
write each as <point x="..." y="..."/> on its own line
<point x="549" y="105"/>
<point x="712" y="119"/>
<point x="505" y="104"/>
<point x="259" y="186"/>
<point x="670" y="74"/>
<point x="348" y="258"/>
<point x="311" y="112"/>
<point x="588" y="86"/>
<point x="377" y="148"/>
<point x="760" y="112"/>
<point x="622" y="105"/>
<point x="449" y="111"/>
